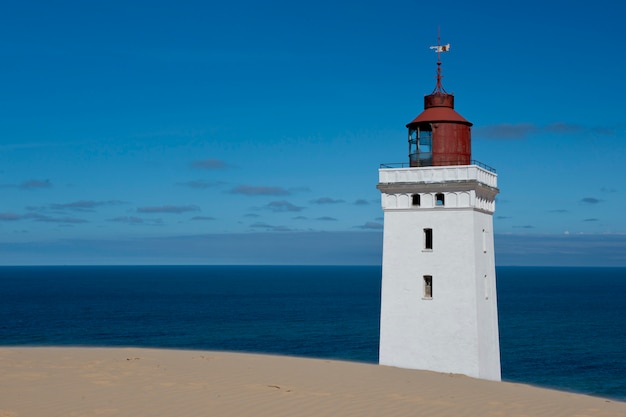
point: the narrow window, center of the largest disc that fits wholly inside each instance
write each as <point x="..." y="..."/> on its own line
<point x="415" y="200"/>
<point x="440" y="199"/>
<point x="428" y="239"/>
<point x="428" y="286"/>
<point x="484" y="241"/>
<point x="486" y="283"/>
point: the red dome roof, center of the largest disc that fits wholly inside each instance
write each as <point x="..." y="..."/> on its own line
<point x="439" y="107"/>
<point x="439" y="114"/>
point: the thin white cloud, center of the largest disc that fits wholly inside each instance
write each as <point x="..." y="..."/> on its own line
<point x="282" y="206"/>
<point x="134" y="220"/>
<point x="40" y="218"/>
<point x="201" y="184"/>
<point x="327" y="200"/>
<point x="203" y="218"/>
<point x="259" y="190"/>
<point x="9" y="217"/>
<point x="127" y="219"/>
<point x="524" y="130"/>
<point x="167" y="209"/>
<point x="210" y="164"/>
<point x="35" y="184"/>
<point x="371" y="226"/>
<point x="84" y="205"/>
<point x="505" y="131"/>
<point x="51" y="219"/>
<point x="590" y="200"/>
<point x="269" y="227"/>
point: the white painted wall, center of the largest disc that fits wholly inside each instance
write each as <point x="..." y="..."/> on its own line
<point x="457" y="330"/>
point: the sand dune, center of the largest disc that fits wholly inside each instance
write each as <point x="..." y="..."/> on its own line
<point x="86" y="382"/>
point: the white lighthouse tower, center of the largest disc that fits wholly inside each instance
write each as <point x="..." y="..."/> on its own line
<point x="439" y="307"/>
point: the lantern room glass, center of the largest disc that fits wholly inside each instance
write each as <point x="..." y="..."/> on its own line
<point x="420" y="147"/>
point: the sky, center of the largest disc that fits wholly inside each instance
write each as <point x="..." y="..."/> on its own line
<point x="244" y="132"/>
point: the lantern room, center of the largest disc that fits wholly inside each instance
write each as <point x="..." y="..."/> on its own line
<point x="439" y="136"/>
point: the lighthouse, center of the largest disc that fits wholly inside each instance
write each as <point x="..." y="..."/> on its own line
<point x="438" y="297"/>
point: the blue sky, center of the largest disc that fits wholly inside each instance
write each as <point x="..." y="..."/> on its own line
<point x="244" y="132"/>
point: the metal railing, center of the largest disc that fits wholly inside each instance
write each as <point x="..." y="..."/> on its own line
<point x="408" y="165"/>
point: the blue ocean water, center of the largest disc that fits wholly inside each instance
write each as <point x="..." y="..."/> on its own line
<point x="561" y="328"/>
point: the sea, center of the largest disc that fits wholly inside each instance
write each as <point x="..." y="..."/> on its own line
<point x="560" y="327"/>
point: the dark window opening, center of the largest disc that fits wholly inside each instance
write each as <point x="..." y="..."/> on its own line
<point x="428" y="239"/>
<point x="440" y="199"/>
<point x="428" y="286"/>
<point x="415" y="200"/>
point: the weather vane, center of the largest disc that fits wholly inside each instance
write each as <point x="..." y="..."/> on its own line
<point x="439" y="48"/>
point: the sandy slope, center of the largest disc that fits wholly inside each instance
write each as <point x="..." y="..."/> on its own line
<point x="50" y="382"/>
